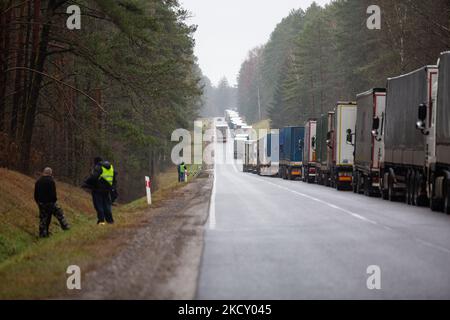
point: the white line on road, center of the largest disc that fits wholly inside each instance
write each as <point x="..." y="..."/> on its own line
<point x="355" y="215"/>
<point x="212" y="205"/>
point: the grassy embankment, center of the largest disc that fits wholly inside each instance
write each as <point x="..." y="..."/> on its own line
<point x="31" y="268"/>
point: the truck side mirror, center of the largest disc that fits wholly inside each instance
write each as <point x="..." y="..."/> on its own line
<point x="422" y="112"/>
<point x="376" y="123"/>
<point x="349" y="136"/>
<point x="300" y="144"/>
<point x="422" y="115"/>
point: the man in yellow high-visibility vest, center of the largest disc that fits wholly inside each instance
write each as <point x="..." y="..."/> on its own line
<point x="182" y="171"/>
<point x="103" y="184"/>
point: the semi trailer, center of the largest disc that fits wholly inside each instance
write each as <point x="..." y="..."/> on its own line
<point x="250" y="156"/>
<point x="309" y="152"/>
<point x="438" y="166"/>
<point x="409" y="144"/>
<point x="222" y="132"/>
<point x="341" y="139"/>
<point x="369" y="141"/>
<point x="239" y="144"/>
<point x="324" y="148"/>
<point x="268" y="154"/>
<point x="291" y="152"/>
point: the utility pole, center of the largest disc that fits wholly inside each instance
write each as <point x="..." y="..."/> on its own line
<point x="259" y="102"/>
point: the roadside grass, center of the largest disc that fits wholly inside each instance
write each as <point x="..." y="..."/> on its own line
<point x="36" y="269"/>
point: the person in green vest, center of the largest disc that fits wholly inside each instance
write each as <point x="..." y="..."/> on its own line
<point x="181" y="172"/>
<point x="103" y="183"/>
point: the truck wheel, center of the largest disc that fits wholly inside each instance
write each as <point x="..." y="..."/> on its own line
<point x="355" y="182"/>
<point x="447" y="199"/>
<point x="435" y="204"/>
<point x="358" y="184"/>
<point x="367" y="191"/>
<point x="419" y="199"/>
<point x="408" y="188"/>
<point x="391" y="191"/>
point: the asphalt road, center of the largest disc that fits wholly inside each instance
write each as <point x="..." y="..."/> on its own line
<point x="268" y="238"/>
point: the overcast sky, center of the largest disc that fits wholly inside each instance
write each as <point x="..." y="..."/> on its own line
<point x="228" y="29"/>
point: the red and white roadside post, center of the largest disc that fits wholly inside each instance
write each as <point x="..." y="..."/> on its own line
<point x="148" y="187"/>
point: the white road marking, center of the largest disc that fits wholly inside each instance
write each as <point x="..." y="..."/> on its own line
<point x="357" y="216"/>
<point x="432" y="245"/>
<point x="212" y="205"/>
<point x="354" y="215"/>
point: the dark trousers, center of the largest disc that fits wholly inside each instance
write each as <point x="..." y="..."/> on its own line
<point x="46" y="211"/>
<point x="103" y="206"/>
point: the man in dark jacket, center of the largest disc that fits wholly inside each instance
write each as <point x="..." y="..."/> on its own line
<point x="102" y="183"/>
<point x="46" y="199"/>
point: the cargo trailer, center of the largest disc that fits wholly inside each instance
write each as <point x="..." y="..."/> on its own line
<point x="222" y="132"/>
<point x="309" y="152"/>
<point x="324" y="149"/>
<point x="291" y="152"/>
<point x="268" y="154"/>
<point x="369" y="141"/>
<point x="250" y="156"/>
<point x="438" y="164"/>
<point x="239" y="144"/>
<point x="341" y="139"/>
<point x="409" y="144"/>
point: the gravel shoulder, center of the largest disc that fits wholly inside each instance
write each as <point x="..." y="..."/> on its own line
<point x="161" y="258"/>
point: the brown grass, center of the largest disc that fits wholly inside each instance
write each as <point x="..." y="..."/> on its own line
<point x="36" y="269"/>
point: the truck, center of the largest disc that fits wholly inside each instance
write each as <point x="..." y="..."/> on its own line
<point x="222" y="132"/>
<point x="268" y="154"/>
<point x="438" y="159"/>
<point x="369" y="141"/>
<point x="291" y="152"/>
<point x="250" y="156"/>
<point x="239" y="144"/>
<point x="309" y="152"/>
<point x="324" y="148"/>
<point x="409" y="144"/>
<point x="341" y="142"/>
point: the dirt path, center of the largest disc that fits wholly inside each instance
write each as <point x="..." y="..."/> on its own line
<point x="161" y="260"/>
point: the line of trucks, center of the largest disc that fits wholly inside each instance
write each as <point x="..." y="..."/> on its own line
<point x="391" y="142"/>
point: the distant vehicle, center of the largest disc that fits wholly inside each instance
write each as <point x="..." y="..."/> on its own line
<point x="222" y="132"/>
<point x="268" y="154"/>
<point x="309" y="152"/>
<point x="291" y="152"/>
<point x="408" y="151"/>
<point x="369" y="141"/>
<point x="239" y="145"/>
<point x="250" y="156"/>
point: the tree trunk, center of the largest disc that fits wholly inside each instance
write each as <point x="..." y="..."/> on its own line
<point x="30" y="112"/>
<point x="18" y="94"/>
